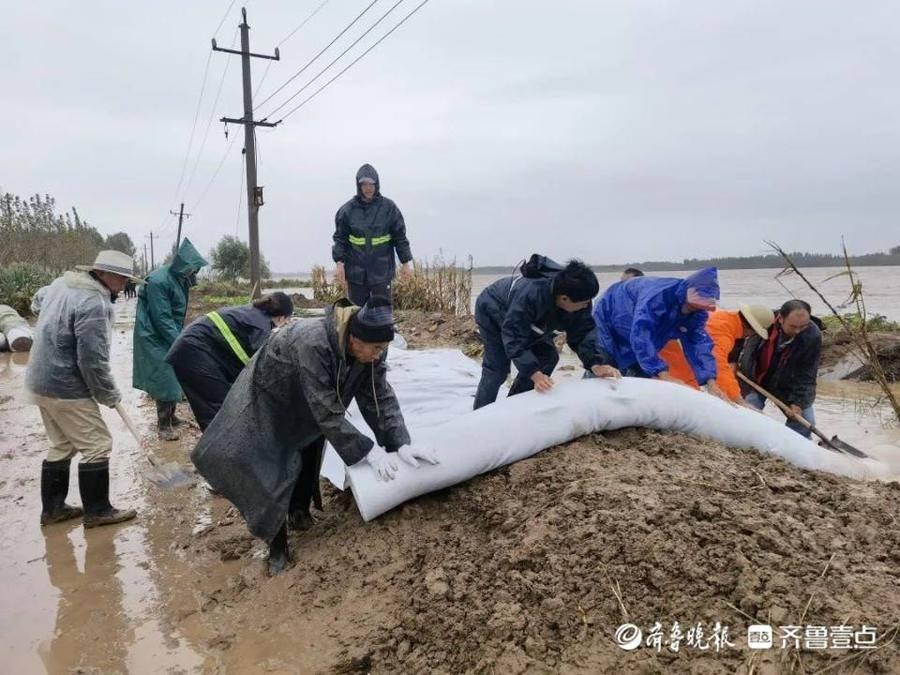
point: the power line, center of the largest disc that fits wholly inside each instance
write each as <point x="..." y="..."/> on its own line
<point x="316" y="57"/>
<point x="216" y="172"/>
<point x="187" y="153"/>
<point x="212" y="115"/>
<point x="224" y="16"/>
<point x="304" y="22"/>
<point x="289" y="36"/>
<point x="352" y="63"/>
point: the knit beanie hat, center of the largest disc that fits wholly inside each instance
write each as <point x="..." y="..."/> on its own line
<point x="374" y="322"/>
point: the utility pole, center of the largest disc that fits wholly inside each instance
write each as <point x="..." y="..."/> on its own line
<point x="181" y="216"/>
<point x="254" y="192"/>
<point x="144" y="262"/>
<point x="152" y="259"/>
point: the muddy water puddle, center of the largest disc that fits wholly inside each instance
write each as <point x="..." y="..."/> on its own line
<point x="76" y="598"/>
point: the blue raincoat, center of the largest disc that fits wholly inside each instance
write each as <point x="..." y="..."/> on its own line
<point x="636" y="317"/>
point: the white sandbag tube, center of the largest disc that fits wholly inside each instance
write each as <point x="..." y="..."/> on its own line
<point x="518" y="427"/>
<point x="16" y="329"/>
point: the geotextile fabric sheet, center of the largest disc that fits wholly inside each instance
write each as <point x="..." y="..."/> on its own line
<point x="436" y="388"/>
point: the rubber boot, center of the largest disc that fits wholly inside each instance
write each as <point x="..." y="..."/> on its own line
<point x="279" y="555"/>
<point x="165" y="411"/>
<point x="54" y="488"/>
<point x="93" y="479"/>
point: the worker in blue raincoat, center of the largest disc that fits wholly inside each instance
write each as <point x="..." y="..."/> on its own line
<point x="636" y="317"/>
<point x="162" y="305"/>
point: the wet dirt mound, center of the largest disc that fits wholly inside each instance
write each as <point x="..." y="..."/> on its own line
<point x="837" y="347"/>
<point x="533" y="567"/>
<point x="425" y="330"/>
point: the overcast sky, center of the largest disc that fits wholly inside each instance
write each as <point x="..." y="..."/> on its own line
<point x="611" y="131"/>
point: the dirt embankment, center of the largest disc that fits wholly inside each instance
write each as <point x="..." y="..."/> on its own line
<point x="531" y="568"/>
<point x="425" y="330"/>
<point x="838" y="348"/>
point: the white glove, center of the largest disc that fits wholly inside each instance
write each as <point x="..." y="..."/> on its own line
<point x="411" y="454"/>
<point x="384" y="464"/>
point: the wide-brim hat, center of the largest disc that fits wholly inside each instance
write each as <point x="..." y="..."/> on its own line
<point x="759" y="317"/>
<point x="114" y="262"/>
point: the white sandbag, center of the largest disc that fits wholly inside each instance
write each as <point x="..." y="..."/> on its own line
<point x="20" y="338"/>
<point x="432" y="385"/>
<point x="516" y="428"/>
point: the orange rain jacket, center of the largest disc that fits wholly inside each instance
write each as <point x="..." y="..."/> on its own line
<point x="725" y="328"/>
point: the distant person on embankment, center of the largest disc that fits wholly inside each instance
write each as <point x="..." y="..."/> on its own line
<point x="159" y="318"/>
<point x="209" y="354"/>
<point x="518" y="317"/>
<point x="786" y="362"/>
<point x="368" y="231"/>
<point x="68" y="375"/>
<point x="263" y="451"/>
<point x="635" y="319"/>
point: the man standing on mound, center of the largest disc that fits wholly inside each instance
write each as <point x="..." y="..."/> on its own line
<point x="517" y="318"/>
<point x="368" y="231"/>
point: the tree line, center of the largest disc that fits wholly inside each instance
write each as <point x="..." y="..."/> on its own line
<point x="769" y="261"/>
<point x="33" y="232"/>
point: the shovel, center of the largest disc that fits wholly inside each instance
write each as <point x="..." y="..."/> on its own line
<point x="169" y="474"/>
<point x="833" y="443"/>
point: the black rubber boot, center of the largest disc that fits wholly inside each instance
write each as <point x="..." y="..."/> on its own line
<point x="93" y="479"/>
<point x="279" y="556"/>
<point x="165" y="412"/>
<point x="54" y="488"/>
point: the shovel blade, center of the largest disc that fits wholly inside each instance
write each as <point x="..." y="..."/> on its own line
<point x="846" y="447"/>
<point x="169" y="475"/>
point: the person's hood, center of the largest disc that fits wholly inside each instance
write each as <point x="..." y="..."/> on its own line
<point x="187" y="259"/>
<point x="368" y="171"/>
<point x="84" y="281"/>
<point x="705" y="282"/>
<point x="341" y="313"/>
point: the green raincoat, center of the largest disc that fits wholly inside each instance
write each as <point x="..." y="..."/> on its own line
<point x="162" y="304"/>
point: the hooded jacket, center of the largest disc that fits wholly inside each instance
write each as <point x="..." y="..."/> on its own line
<point x="162" y="305"/>
<point x="526" y="312"/>
<point x="294" y="392"/>
<point x="367" y="234"/>
<point x="70" y="355"/>
<point x="635" y="318"/>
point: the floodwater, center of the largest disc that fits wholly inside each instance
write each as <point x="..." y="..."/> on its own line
<point x="881" y="287"/>
<point x="123" y="598"/>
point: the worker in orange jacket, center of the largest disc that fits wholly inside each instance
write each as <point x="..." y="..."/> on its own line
<point x="727" y="330"/>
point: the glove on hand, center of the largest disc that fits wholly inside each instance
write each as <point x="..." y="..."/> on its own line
<point x="384" y="464"/>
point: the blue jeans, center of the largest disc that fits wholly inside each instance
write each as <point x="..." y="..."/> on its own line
<point x="759" y="402"/>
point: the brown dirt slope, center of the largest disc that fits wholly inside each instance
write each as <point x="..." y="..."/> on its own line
<point x="518" y="571"/>
<point x="837" y="344"/>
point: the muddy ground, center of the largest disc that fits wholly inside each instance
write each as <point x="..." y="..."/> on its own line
<point x="529" y="569"/>
<point x="838" y="347"/>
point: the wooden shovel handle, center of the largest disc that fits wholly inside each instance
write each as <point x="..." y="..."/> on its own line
<point x="128" y="423"/>
<point x="784" y="408"/>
